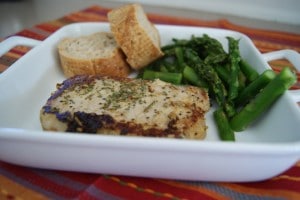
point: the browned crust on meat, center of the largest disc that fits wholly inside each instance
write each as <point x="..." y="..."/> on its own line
<point x="191" y="127"/>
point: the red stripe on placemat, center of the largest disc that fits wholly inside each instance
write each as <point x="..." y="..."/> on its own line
<point x="18" y="52"/>
<point x="31" y="34"/>
<point x="145" y="188"/>
<point x="86" y="195"/>
<point x="48" y="27"/>
<point x="268" y="35"/>
<point x="274" y="184"/>
<point x="6" y="61"/>
<point x="275" y="193"/>
<point x="99" y="10"/>
<point x="28" y="175"/>
<point x="197" y="188"/>
<point x="264" y="46"/>
<point x="294" y="171"/>
<point x="84" y="17"/>
<point x="122" y="190"/>
<point x="157" y="185"/>
<point x="159" y="19"/>
<point x="84" y="178"/>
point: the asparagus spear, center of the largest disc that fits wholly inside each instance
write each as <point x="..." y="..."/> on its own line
<point x="229" y="108"/>
<point x="249" y="72"/>
<point x="254" y="87"/>
<point x="164" y="76"/>
<point x="224" y="129"/>
<point x="284" y="80"/>
<point x="179" y="56"/>
<point x="199" y="58"/>
<point x="190" y="75"/>
<point x="234" y="59"/>
<point x="208" y="73"/>
<point x="206" y="46"/>
<point x="223" y="73"/>
<point x="242" y="81"/>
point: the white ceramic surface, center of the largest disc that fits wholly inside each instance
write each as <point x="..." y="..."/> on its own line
<point x="269" y="147"/>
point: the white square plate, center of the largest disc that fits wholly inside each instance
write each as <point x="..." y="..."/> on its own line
<point x="267" y="148"/>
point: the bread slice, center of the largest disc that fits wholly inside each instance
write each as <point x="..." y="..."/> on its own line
<point x="124" y="106"/>
<point x="135" y="34"/>
<point x="97" y="53"/>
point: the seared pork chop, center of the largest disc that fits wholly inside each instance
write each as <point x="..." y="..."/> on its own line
<point x="125" y="106"/>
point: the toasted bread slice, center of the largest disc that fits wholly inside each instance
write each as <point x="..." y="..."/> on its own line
<point x="124" y="106"/>
<point x="97" y="53"/>
<point x="135" y="34"/>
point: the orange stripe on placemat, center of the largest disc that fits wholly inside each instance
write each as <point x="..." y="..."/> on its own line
<point x="3" y="67"/>
<point x="146" y="188"/>
<point x="85" y="17"/>
<point x="155" y="18"/>
<point x="61" y="22"/>
<point x="197" y="188"/>
<point x="280" y="36"/>
<point x="287" y="177"/>
<point x="12" y="56"/>
<point x="285" y="185"/>
<point x="115" y="186"/>
<point x="6" y="61"/>
<point x="272" y="46"/>
<point x="20" y="50"/>
<point x="35" y="180"/>
<point x="275" y="192"/>
<point x="265" y="40"/>
<point x="172" y="20"/>
<point x="279" y="63"/>
<point x="277" y="67"/>
<point x="49" y="27"/>
<point x="11" y="190"/>
<point x="31" y="34"/>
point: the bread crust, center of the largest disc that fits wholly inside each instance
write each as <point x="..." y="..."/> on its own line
<point x="112" y="65"/>
<point x="135" y="34"/>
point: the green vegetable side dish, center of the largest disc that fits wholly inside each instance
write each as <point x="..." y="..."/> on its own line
<point x="263" y="100"/>
<point x="239" y="91"/>
<point x="225" y="131"/>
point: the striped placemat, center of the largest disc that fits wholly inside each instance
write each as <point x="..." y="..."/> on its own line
<point x="18" y="182"/>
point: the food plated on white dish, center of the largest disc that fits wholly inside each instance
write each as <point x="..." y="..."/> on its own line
<point x="268" y="147"/>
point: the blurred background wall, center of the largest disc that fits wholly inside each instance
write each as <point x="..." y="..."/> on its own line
<point x="16" y="15"/>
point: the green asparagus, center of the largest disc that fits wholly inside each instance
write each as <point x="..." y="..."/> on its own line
<point x="240" y="92"/>
<point x="242" y="81"/>
<point x="190" y="75"/>
<point x="234" y="58"/>
<point x="249" y="72"/>
<point x="254" y="87"/>
<point x="208" y="73"/>
<point x="224" y="129"/>
<point x="223" y="73"/>
<point x="263" y="100"/>
<point x="179" y="56"/>
<point x="164" y="76"/>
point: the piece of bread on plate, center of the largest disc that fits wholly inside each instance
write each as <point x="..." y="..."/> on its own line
<point x="135" y="34"/>
<point x="97" y="53"/>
